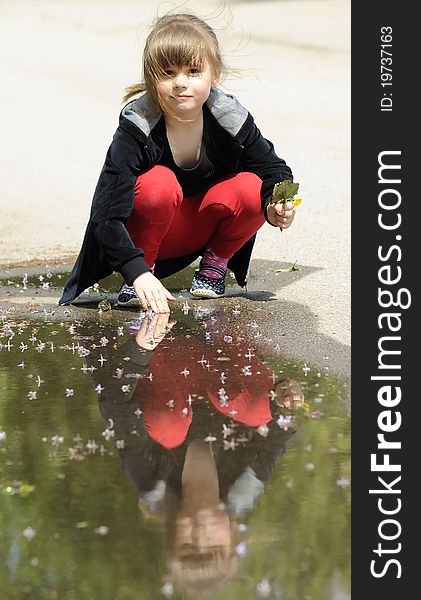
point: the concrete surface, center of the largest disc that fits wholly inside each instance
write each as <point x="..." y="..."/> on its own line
<point x="64" y="66"/>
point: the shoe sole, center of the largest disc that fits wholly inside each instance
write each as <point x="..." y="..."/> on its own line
<point x="131" y="302"/>
<point x="205" y="293"/>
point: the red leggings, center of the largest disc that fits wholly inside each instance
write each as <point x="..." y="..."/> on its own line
<point x="167" y="225"/>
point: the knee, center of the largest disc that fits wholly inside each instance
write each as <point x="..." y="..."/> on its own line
<point x="158" y="188"/>
<point x="247" y="193"/>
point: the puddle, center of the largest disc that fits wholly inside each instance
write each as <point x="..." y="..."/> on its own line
<point x="168" y="457"/>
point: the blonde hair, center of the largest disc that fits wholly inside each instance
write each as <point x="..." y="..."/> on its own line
<point x="176" y="39"/>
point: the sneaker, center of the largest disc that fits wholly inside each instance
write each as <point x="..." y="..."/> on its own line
<point x="207" y="287"/>
<point x="127" y="296"/>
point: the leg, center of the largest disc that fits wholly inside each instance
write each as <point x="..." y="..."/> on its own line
<point x="242" y="216"/>
<point x="223" y="217"/>
<point x="157" y="197"/>
<point x="236" y="204"/>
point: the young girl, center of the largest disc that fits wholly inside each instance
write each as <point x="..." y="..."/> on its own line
<point x="187" y="174"/>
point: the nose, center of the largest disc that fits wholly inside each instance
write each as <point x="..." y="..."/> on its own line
<point x="180" y="80"/>
<point x="201" y="539"/>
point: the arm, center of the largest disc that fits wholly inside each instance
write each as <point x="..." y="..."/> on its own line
<point x="259" y="157"/>
<point x="113" y="203"/>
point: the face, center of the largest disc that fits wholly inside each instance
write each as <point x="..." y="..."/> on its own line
<point x="205" y="531"/>
<point x="185" y="89"/>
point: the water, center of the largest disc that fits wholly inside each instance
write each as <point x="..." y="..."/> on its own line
<point x="182" y="457"/>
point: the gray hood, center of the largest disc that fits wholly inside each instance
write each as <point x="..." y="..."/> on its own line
<point x="226" y="109"/>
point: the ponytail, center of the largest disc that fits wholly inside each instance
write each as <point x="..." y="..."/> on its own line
<point x="133" y="90"/>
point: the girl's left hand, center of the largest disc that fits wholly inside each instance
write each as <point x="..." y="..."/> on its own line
<point x="281" y="215"/>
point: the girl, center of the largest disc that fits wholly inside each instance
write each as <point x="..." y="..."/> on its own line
<point x="187" y="174"/>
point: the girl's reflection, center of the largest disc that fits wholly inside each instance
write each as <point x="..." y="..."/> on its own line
<point x="198" y="437"/>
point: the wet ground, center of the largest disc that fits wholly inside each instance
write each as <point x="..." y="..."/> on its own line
<point x="191" y="455"/>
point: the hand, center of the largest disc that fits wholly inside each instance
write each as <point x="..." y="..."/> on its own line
<point x="151" y="293"/>
<point x="288" y="393"/>
<point x="153" y="330"/>
<point x="281" y="215"/>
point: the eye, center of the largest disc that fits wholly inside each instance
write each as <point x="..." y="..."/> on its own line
<point x="168" y="73"/>
<point x="194" y="70"/>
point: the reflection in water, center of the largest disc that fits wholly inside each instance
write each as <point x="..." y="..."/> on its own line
<point x="198" y="435"/>
<point x="198" y="419"/>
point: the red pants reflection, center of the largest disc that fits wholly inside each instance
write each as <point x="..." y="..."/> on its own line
<point x="167" y="225"/>
<point x="165" y="398"/>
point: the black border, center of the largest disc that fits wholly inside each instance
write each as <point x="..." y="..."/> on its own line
<point x="374" y="131"/>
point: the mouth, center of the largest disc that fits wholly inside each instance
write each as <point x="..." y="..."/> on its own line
<point x="182" y="97"/>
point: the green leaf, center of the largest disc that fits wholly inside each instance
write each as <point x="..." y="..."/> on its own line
<point x="288" y="270"/>
<point x="283" y="191"/>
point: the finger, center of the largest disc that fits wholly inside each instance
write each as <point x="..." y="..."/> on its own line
<point x="161" y="324"/>
<point x="290" y="214"/>
<point x="281" y="221"/>
<point x="161" y="303"/>
<point x="168" y="295"/>
<point x="144" y="327"/>
<point x="142" y="300"/>
<point x="279" y="208"/>
<point x="151" y="324"/>
<point x="152" y="303"/>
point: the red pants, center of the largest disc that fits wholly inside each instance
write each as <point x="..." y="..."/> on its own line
<point x="167" y="225"/>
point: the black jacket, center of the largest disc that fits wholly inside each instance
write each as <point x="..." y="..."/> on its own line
<point x="235" y="142"/>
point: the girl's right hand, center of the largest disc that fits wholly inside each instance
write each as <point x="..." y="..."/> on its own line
<point x="151" y="293"/>
<point x="153" y="330"/>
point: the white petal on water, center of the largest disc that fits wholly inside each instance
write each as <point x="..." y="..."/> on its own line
<point x="241" y="549"/>
<point x="108" y="434"/>
<point x="56" y="440"/>
<point x="91" y="446"/>
<point x="263" y="588"/>
<point x="249" y="354"/>
<point x="343" y="482"/>
<point x="102" y="360"/>
<point x="101" y="530"/>
<point x="186" y="308"/>
<point x="167" y="590"/>
<point x="263" y="430"/>
<point x="29" y="533"/>
<point x="202" y="361"/>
